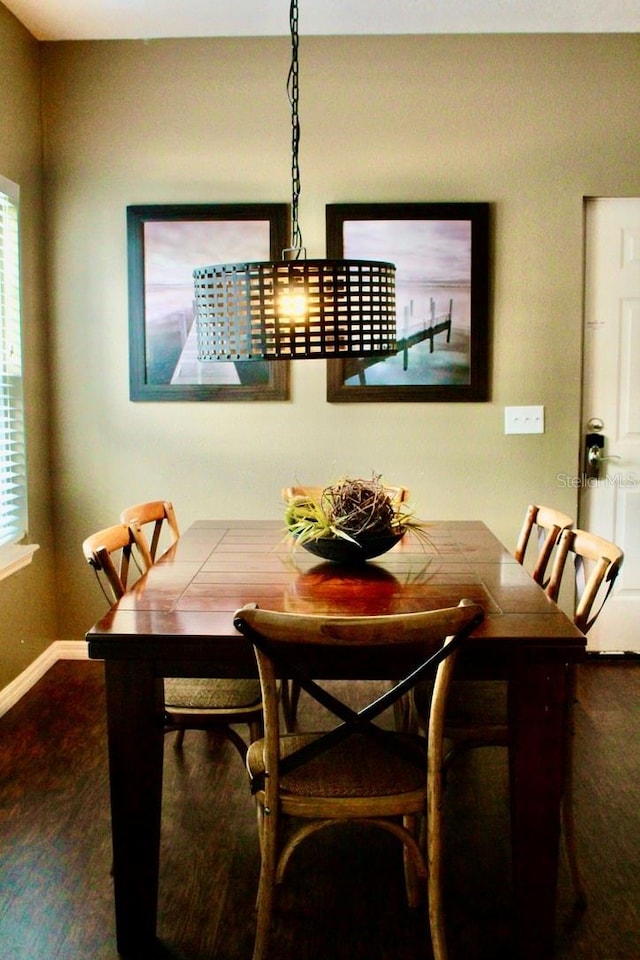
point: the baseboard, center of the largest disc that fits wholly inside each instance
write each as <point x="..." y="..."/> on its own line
<point x="60" y="650"/>
<point x="613" y="655"/>
<point x="71" y="649"/>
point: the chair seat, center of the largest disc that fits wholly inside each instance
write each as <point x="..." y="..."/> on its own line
<point x="357" y="767"/>
<point x="205" y="694"/>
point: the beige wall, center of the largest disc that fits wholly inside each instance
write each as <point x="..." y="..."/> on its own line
<point x="531" y="124"/>
<point x="27" y="610"/>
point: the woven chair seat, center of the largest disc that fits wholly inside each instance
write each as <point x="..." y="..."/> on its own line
<point x="357" y="767"/>
<point x="198" y="694"/>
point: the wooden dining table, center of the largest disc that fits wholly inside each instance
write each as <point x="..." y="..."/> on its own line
<point x="177" y="620"/>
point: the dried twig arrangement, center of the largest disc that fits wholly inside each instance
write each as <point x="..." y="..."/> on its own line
<point x="350" y="509"/>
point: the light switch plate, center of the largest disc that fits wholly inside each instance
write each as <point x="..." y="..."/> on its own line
<point x="524" y="419"/>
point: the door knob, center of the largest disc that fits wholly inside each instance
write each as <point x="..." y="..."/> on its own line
<point x="594" y="456"/>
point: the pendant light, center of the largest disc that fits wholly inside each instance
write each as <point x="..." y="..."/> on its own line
<point x="294" y="308"/>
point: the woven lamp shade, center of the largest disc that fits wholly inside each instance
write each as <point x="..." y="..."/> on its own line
<point x="295" y="309"/>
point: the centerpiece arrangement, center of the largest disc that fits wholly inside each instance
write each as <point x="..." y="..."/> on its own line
<point x="349" y="521"/>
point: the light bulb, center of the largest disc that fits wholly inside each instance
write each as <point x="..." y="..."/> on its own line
<point x="293" y="305"/>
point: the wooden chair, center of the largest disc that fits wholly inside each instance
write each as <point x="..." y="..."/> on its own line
<point x="357" y="771"/>
<point x="399" y="494"/>
<point x="190" y="703"/>
<point x="111" y="552"/>
<point x="549" y="524"/>
<point x="158" y="512"/>
<point x="597" y="563"/>
<point x="477" y="710"/>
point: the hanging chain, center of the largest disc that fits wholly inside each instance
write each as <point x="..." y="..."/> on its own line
<point x="293" y="93"/>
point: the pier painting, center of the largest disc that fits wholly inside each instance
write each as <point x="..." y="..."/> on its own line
<point x="165" y="244"/>
<point x="440" y="253"/>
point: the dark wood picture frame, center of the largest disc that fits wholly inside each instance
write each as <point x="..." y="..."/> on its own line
<point x="164" y="244"/>
<point x="441" y="252"/>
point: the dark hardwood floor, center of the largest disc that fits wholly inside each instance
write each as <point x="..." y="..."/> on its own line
<point x="343" y="896"/>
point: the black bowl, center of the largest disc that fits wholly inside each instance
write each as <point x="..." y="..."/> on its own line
<point x="344" y="551"/>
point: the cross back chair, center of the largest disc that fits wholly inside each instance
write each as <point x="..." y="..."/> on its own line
<point x="111" y="552"/>
<point x="163" y="517"/>
<point x="189" y="703"/>
<point x="477" y="712"/>
<point x="597" y="563"/>
<point x="549" y="524"/>
<point x="356" y="771"/>
<point x="398" y="493"/>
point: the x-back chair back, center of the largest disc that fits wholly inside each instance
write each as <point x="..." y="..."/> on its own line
<point x="111" y="552"/>
<point x="596" y="562"/>
<point x="398" y="493"/>
<point x="548" y="523"/>
<point x="161" y="514"/>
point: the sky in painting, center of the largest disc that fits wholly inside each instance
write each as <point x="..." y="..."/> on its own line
<point x="424" y="251"/>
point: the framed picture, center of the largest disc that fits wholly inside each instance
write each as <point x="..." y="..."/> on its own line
<point x="441" y="253"/>
<point x="165" y="244"/>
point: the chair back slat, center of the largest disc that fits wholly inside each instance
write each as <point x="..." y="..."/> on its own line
<point x="110" y="553"/>
<point x="399" y="494"/>
<point x="597" y="563"/>
<point x="549" y="524"/>
<point x="161" y="514"/>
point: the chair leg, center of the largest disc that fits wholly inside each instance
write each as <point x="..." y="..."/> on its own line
<point x="256" y="730"/>
<point x="289" y="696"/>
<point x="436" y="908"/>
<point x="410" y="822"/>
<point x="260" y="819"/>
<point x="268" y="849"/>
<point x="434" y="858"/>
<point x="215" y="733"/>
<point x="236" y="740"/>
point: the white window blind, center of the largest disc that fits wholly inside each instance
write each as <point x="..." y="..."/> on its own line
<point x="13" y="481"/>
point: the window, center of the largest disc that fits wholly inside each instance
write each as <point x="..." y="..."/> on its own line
<point x="13" y="478"/>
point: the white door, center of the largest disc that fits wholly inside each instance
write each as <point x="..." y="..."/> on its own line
<point x="610" y="506"/>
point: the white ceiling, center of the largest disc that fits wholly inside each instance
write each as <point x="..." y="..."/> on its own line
<point x="133" y="19"/>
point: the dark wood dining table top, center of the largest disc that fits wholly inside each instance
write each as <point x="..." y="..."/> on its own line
<point x="217" y="566"/>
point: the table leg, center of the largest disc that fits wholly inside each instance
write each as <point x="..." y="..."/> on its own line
<point x="537" y="703"/>
<point x="135" y="734"/>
